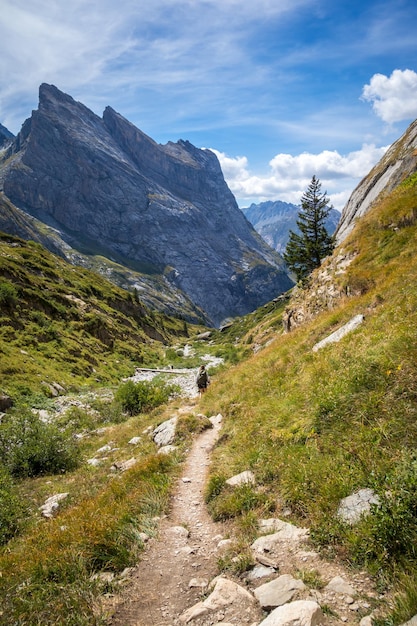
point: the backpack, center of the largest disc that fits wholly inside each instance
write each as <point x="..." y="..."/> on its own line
<point x="202" y="379"/>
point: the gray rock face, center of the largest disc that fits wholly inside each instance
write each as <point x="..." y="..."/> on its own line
<point x="397" y="163"/>
<point x="109" y="189"/>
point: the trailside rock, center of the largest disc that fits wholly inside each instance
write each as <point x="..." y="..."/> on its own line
<point x="226" y="594"/>
<point x="340" y="332"/>
<point x="298" y="613"/>
<point x="51" y="505"/>
<point x="339" y="585"/>
<point x="164" y="434"/>
<point x="359" y="503"/>
<point x="244" y="478"/>
<point x="278" y="591"/>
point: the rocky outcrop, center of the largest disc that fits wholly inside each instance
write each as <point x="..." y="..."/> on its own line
<point x="5" y="136"/>
<point x="108" y="189"/>
<point x="398" y="162"/>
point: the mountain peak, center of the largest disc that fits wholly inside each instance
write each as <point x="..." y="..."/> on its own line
<point x="108" y="189"/>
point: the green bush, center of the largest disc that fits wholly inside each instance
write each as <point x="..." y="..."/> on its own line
<point x="12" y="508"/>
<point x="143" y="396"/>
<point x="390" y="534"/>
<point x="29" y="447"/>
<point x="8" y="294"/>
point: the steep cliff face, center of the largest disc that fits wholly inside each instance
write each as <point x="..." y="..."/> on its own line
<point x="109" y="189"/>
<point x="399" y="161"/>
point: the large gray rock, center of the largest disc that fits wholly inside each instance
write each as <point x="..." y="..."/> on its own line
<point x="225" y="595"/>
<point x="278" y="592"/>
<point x="352" y="508"/>
<point x="298" y="613"/>
<point x="163" y="210"/>
<point x="164" y="434"/>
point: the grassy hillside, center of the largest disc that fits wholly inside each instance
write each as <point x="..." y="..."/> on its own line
<point x="312" y="426"/>
<point x="316" y="426"/>
<point x="67" y="325"/>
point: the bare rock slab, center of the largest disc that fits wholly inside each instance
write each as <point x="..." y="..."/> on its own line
<point x="164" y="434"/>
<point x="226" y="594"/>
<point x="298" y="613"/>
<point x="278" y="591"/>
<point x="244" y="478"/>
<point x="352" y="508"/>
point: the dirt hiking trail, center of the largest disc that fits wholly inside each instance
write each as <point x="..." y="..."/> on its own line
<point x="179" y="563"/>
<point x="176" y="572"/>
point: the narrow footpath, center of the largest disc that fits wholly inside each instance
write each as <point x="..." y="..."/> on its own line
<point x="177" y="566"/>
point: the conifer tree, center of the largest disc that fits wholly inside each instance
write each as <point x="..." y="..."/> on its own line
<point x="306" y="249"/>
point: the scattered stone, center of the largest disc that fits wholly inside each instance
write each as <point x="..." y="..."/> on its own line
<point x="359" y="503"/>
<point x="285" y="529"/>
<point x="51" y="505"/>
<point x="94" y="462"/>
<point x="123" y="466"/>
<point x="260" y="571"/>
<point x="134" y="441"/>
<point x="103" y="577"/>
<point x="167" y="449"/>
<point x="202" y="583"/>
<point x="224" y="543"/>
<point x="244" y="478"/>
<point x="144" y="537"/>
<point x="287" y="532"/>
<point x="104" y="449"/>
<point x="298" y="613"/>
<point x="340" y="333"/>
<point x="278" y="591"/>
<point x="367" y="621"/>
<point x="193" y="612"/>
<point x="185" y="479"/>
<point x="164" y="434"/>
<point x="339" y="585"/>
<point x="180" y="531"/>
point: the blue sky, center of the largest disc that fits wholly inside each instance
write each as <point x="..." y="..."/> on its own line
<point x="280" y="89"/>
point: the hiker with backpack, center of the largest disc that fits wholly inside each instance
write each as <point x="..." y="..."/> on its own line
<point x="202" y="379"/>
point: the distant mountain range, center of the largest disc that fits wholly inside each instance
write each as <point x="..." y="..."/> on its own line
<point x="159" y="219"/>
<point x="273" y="220"/>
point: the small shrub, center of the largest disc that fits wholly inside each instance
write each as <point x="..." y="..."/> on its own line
<point x="214" y="487"/>
<point x="29" y="447"/>
<point x="143" y="396"/>
<point x="8" y="294"/>
<point x="12" y="508"/>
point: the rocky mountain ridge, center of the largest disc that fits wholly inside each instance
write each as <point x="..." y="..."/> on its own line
<point x="273" y="220"/>
<point x="104" y="188"/>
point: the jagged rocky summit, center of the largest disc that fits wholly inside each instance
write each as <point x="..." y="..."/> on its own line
<point x="105" y="188"/>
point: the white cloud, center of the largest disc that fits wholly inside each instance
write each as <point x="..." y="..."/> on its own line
<point x="393" y="98"/>
<point x="289" y="176"/>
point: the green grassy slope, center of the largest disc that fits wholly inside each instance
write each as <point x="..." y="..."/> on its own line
<point x="63" y="324"/>
<point x="316" y="426"/>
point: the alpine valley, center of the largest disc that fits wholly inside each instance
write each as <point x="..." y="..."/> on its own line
<point x="158" y="219"/>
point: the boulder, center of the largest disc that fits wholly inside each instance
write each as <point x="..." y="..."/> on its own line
<point x="278" y="591"/>
<point x="51" y="505"/>
<point x="339" y="585"/>
<point x="164" y="434"/>
<point x="244" y="478"/>
<point x="298" y="613"/>
<point x="359" y="503"/>
<point x="225" y="594"/>
<point x="123" y="466"/>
